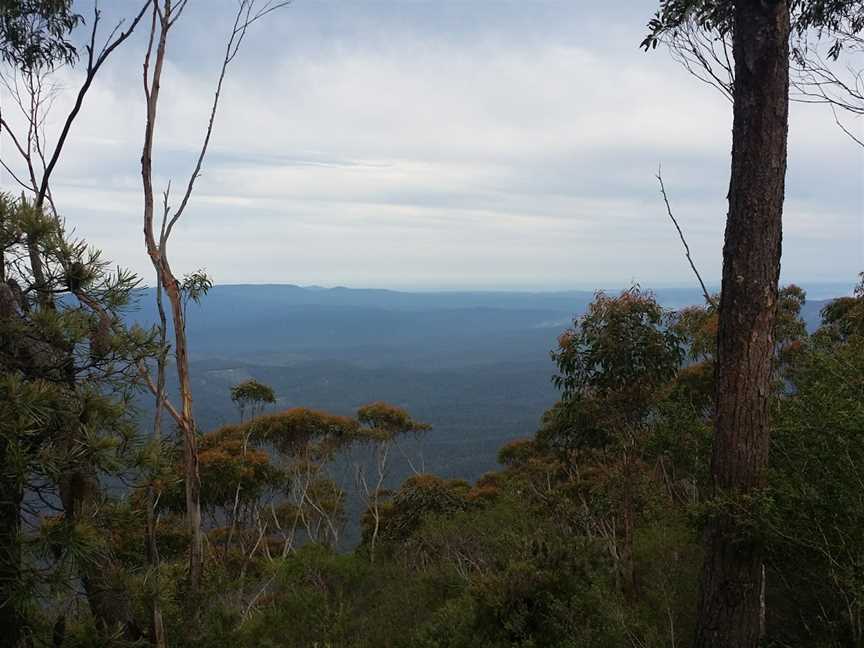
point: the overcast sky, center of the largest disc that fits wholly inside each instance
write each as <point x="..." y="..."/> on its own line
<point x="441" y="144"/>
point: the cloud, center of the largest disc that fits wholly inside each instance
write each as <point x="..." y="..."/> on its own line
<point x="487" y="144"/>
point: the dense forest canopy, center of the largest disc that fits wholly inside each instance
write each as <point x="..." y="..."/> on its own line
<point x="696" y="482"/>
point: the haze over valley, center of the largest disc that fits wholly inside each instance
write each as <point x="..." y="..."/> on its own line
<point x="473" y="364"/>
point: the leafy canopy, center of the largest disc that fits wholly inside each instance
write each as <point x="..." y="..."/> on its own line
<point x="623" y="346"/>
<point x="35" y="33"/>
<point x="844" y="16"/>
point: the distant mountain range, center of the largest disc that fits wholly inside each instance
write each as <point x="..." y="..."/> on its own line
<point x="290" y="325"/>
<point x="475" y="365"/>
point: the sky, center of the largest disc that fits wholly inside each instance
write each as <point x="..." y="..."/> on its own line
<point x="438" y="144"/>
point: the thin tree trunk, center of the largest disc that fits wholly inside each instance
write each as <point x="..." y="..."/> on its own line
<point x="190" y="442"/>
<point x="157" y="626"/>
<point x="729" y="606"/>
<point x="158" y="257"/>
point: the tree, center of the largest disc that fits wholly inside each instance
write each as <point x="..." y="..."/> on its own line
<point x="305" y="443"/>
<point x="251" y="393"/>
<point x="814" y="510"/>
<point x="36" y="158"/>
<point x="54" y="285"/>
<point x="730" y="609"/>
<point x="235" y="476"/>
<point x="35" y="33"/>
<point x="382" y="425"/>
<point x="612" y="365"/>
<point x="69" y="373"/>
<point x="165" y="14"/>
<point x="705" y="51"/>
<point x="843" y="318"/>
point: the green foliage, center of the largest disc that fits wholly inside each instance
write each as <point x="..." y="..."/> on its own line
<point x="70" y="369"/>
<point x="813" y="526"/>
<point x="622" y="346"/>
<point x="195" y="286"/>
<point x="419" y="497"/>
<point x="230" y="469"/>
<point x="251" y="393"/>
<point x="716" y="16"/>
<point x="319" y="598"/>
<point x="383" y="422"/>
<point x="611" y="367"/>
<point x="36" y="33"/>
<point x="588" y="535"/>
<point x="530" y="583"/>
<point x="843" y="318"/>
<point x="293" y="430"/>
<point x="696" y="326"/>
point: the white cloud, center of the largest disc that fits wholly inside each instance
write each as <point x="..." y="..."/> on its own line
<point x="407" y="157"/>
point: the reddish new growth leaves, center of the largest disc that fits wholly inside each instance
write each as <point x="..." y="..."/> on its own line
<point x="293" y="430"/>
<point x="383" y="422"/>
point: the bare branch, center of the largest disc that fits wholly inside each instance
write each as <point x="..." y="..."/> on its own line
<point x="148" y="380"/>
<point x="242" y="20"/>
<point x="849" y="133"/>
<point x="821" y="81"/>
<point x="92" y="68"/>
<point x="705" y="292"/>
<point x="814" y="78"/>
<point x="15" y="177"/>
<point x="704" y="55"/>
<point x="164" y="16"/>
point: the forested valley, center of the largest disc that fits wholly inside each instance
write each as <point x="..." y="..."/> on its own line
<point x="190" y="464"/>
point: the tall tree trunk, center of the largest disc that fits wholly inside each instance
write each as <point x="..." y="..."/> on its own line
<point x="190" y="443"/>
<point x="161" y="23"/>
<point x="151" y="546"/>
<point x="729" y="606"/>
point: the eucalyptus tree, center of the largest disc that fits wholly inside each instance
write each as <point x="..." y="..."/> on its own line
<point x="164" y="17"/>
<point x="381" y="427"/>
<point x="36" y="33"/>
<point x="612" y="365"/>
<point x="253" y="395"/>
<point x="731" y="611"/>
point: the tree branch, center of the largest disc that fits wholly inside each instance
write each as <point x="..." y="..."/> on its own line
<point x="242" y="20"/>
<point x="705" y="292"/>
<point x="92" y="68"/>
<point x="148" y="380"/>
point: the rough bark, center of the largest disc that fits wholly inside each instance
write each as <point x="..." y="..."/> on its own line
<point x="729" y="606"/>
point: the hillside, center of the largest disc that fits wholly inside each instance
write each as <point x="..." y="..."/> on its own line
<point x="475" y="365"/>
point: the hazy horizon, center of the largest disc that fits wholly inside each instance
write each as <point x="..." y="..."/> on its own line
<point x="815" y="289"/>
